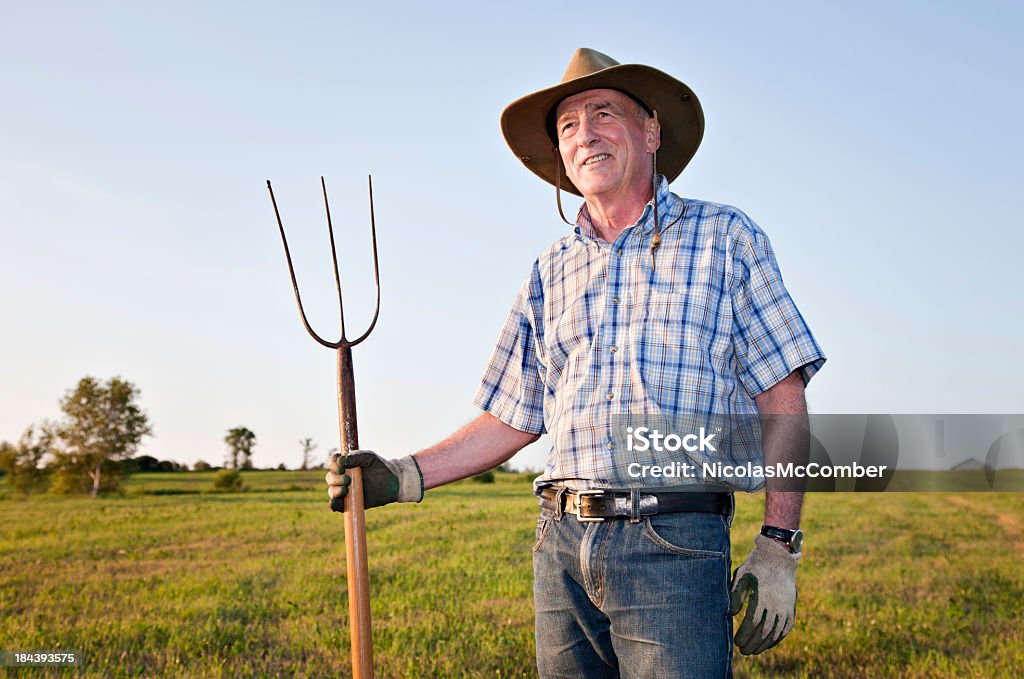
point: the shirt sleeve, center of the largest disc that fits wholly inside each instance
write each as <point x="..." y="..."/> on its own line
<point x="770" y="337"/>
<point x="511" y="388"/>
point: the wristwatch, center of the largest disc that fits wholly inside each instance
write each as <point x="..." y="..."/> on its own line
<point x="793" y="539"/>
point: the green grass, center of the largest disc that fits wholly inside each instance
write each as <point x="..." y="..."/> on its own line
<point x="200" y="482"/>
<point x="253" y="584"/>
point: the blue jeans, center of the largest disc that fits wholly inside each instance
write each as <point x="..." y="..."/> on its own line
<point x="631" y="599"/>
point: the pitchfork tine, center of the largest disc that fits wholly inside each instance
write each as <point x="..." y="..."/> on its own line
<point x="344" y="341"/>
<point x="334" y="258"/>
<point x="376" y="272"/>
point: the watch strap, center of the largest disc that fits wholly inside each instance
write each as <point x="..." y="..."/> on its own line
<point x="784" y="534"/>
<point x="792" y="538"/>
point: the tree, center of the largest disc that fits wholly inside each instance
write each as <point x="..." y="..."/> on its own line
<point x="307" y="449"/>
<point x="240" y="444"/>
<point x="144" y="464"/>
<point x="8" y="459"/>
<point x="20" y="462"/>
<point x="103" y="424"/>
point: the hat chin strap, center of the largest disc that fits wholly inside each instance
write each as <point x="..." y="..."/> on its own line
<point x="558" y="185"/>
<point x="656" y="241"/>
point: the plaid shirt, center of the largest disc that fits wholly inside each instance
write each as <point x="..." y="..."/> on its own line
<point x="597" y="334"/>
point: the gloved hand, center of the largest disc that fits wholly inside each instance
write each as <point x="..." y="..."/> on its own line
<point x="768" y="578"/>
<point x="384" y="481"/>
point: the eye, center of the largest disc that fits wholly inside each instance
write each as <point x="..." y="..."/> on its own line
<point x="566" y="126"/>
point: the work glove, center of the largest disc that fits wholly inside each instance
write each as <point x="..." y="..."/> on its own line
<point x="768" y="579"/>
<point x="384" y="481"/>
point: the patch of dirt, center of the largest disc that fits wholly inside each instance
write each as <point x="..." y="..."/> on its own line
<point x="1008" y="522"/>
<point x="1011" y="526"/>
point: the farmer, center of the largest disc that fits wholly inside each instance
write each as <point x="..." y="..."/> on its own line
<point x="653" y="305"/>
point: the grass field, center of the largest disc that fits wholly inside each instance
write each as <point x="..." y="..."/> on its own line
<point x="252" y="584"/>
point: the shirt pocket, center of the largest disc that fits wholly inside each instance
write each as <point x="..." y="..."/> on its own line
<point x="681" y="352"/>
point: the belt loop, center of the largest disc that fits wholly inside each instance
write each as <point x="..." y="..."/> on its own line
<point x="559" y="503"/>
<point x="634" y="506"/>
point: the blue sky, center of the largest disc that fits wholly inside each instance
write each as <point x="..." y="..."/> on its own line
<point x="878" y="144"/>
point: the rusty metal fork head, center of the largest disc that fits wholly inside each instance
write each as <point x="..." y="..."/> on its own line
<point x="344" y="342"/>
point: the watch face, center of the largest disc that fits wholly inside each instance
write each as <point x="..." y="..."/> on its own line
<point x="797" y="541"/>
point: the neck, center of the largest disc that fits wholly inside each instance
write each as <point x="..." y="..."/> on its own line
<point x="611" y="215"/>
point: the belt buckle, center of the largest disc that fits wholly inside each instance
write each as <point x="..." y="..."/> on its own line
<point x="579" y="506"/>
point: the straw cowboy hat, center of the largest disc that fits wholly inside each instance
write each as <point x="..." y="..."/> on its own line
<point x="529" y="128"/>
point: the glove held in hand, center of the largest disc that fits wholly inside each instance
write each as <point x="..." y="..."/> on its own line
<point x="768" y="579"/>
<point x="384" y="481"/>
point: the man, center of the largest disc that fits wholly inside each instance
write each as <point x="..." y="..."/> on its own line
<point x="654" y="307"/>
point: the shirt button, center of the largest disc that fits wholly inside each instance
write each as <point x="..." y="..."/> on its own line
<point x="615" y="300"/>
<point x="619" y="252"/>
<point x="613" y="349"/>
<point x="609" y="396"/>
<point x="610" y="445"/>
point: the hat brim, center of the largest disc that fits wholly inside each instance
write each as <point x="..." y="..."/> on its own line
<point x="524" y="122"/>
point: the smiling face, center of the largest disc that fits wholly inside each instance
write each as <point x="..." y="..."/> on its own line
<point x="606" y="141"/>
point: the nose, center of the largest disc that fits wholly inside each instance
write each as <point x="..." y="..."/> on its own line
<point x="586" y="135"/>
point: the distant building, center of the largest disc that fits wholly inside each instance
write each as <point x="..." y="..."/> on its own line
<point x="970" y="465"/>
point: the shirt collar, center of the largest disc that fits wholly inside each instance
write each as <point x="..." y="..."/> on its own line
<point x="585" y="227"/>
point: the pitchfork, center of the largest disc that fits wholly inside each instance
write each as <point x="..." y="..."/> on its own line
<point x="355" y="523"/>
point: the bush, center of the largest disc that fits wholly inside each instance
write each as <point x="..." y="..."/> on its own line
<point x="202" y="466"/>
<point x="70" y="479"/>
<point x="228" y="479"/>
<point x="485" y="477"/>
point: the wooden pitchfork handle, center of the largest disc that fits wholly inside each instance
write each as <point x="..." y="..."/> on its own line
<point x="358" y="571"/>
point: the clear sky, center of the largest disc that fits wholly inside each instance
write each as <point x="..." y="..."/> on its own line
<point x="877" y="143"/>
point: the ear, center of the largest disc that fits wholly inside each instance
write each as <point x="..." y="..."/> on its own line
<point x="653" y="134"/>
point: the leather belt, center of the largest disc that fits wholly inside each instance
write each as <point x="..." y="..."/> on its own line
<point x="598" y="505"/>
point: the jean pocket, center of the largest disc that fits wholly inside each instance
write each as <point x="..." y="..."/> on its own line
<point x="543" y="524"/>
<point x="697" y="535"/>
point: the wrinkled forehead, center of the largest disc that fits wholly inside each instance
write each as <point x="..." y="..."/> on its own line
<point x="596" y="97"/>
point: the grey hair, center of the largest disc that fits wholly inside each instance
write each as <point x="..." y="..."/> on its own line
<point x="641" y="111"/>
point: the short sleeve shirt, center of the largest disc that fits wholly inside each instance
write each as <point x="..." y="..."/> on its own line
<point x="603" y="330"/>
